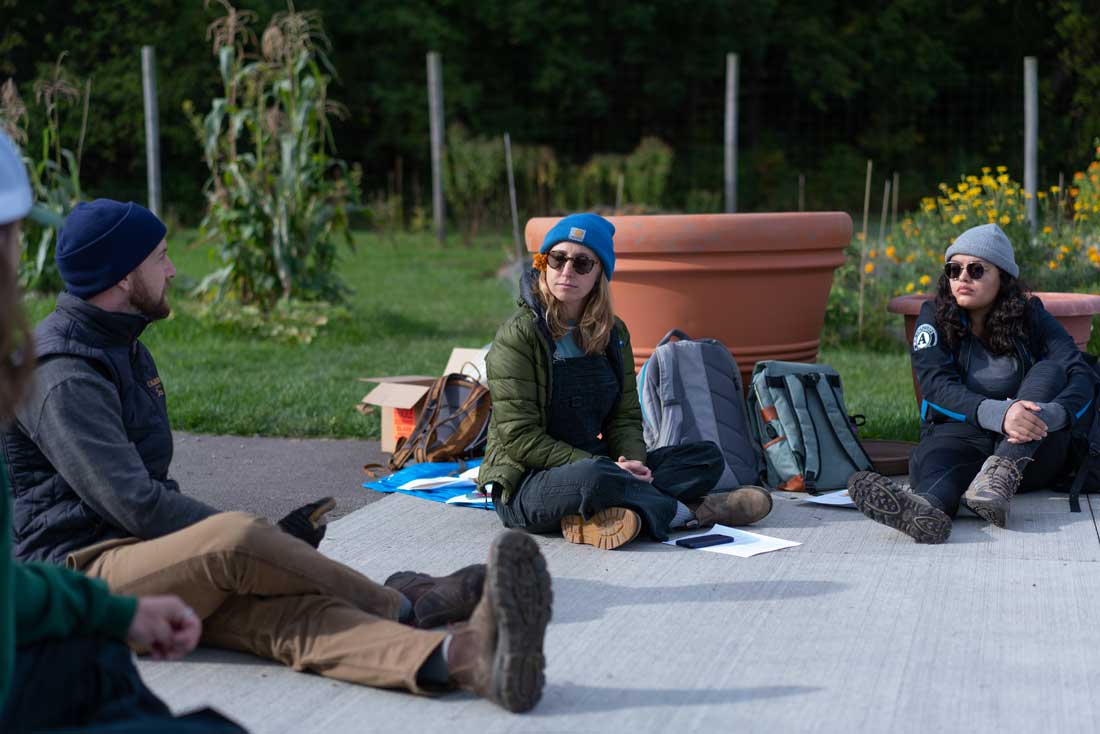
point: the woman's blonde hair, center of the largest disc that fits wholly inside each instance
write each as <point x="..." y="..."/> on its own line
<point x="593" y="330"/>
<point x="16" y="347"/>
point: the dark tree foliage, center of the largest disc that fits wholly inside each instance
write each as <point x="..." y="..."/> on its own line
<point x="929" y="88"/>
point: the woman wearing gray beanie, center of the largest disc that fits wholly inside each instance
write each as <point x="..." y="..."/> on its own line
<point x="1004" y="389"/>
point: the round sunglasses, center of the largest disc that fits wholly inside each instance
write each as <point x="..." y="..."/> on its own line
<point x="974" y="270"/>
<point x="582" y="264"/>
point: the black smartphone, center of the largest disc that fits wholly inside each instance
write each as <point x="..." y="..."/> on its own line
<point x="704" y="541"/>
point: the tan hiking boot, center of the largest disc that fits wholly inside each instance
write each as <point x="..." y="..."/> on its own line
<point x="742" y="506"/>
<point x="885" y="502"/>
<point x="992" y="489"/>
<point x="607" y="529"/>
<point x="439" y="600"/>
<point x="498" y="654"/>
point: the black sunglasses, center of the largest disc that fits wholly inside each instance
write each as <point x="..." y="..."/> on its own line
<point x="954" y="270"/>
<point x="583" y="264"/>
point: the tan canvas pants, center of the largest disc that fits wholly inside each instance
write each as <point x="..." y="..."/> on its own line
<point x="262" y="591"/>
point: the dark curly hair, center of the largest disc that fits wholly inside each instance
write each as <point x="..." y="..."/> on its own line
<point x="1004" y="322"/>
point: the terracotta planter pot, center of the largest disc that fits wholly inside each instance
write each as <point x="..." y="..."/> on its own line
<point x="759" y="283"/>
<point x="1073" y="310"/>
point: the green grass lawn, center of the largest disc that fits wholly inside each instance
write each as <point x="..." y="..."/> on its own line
<point x="413" y="302"/>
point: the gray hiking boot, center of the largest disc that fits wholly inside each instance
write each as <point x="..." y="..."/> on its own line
<point x="885" y="502"/>
<point x="991" y="491"/>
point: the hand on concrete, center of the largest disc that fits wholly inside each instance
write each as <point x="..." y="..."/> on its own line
<point x="1021" y="423"/>
<point x="637" y="468"/>
<point x="164" y="627"/>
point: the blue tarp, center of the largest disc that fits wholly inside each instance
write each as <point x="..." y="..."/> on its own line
<point x="430" y="471"/>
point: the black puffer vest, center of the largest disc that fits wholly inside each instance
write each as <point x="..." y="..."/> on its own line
<point x="49" y="519"/>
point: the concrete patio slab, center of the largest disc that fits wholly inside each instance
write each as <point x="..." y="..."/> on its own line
<point x="858" y="629"/>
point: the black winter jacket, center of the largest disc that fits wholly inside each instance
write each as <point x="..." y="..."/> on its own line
<point x="941" y="372"/>
<point x="88" y="454"/>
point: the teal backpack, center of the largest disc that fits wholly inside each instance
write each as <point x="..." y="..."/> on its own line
<point x="798" y="415"/>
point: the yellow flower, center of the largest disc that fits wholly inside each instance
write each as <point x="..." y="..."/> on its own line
<point x="1047" y="230"/>
<point x="873" y="254"/>
<point x="861" y="236"/>
<point x="891" y="251"/>
<point x="1042" y="194"/>
<point x="1010" y="192"/>
<point x="1001" y="169"/>
<point x="869" y="268"/>
<point x="958" y="218"/>
<point x="972" y="179"/>
<point x="1052" y="265"/>
<point x="1003" y="178"/>
<point x="910" y="257"/>
<point x="963" y="186"/>
<point x="909" y="287"/>
<point x="1063" y="248"/>
<point x="1055" y="189"/>
<point x="925" y="280"/>
<point x="1005" y="219"/>
<point x="986" y="169"/>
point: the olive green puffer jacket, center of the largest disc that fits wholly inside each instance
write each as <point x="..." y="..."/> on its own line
<point x="519" y="373"/>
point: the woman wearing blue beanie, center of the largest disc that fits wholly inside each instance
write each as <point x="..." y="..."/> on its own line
<point x="1004" y="389"/>
<point x="565" y="448"/>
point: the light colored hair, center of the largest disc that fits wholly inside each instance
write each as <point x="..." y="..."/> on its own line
<point x="16" y="346"/>
<point x="593" y="329"/>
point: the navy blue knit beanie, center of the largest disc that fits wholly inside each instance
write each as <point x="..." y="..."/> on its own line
<point x="102" y="241"/>
<point x="590" y="230"/>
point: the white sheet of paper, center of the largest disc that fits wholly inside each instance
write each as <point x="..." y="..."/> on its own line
<point x="834" y="499"/>
<point x="474" y="498"/>
<point x="744" y="545"/>
<point x="471" y="473"/>
<point x="432" y="482"/>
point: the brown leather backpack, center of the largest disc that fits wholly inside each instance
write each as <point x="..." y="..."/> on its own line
<point x="453" y="425"/>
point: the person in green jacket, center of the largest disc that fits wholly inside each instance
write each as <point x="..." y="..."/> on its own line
<point x="565" y="448"/>
<point x="64" y="662"/>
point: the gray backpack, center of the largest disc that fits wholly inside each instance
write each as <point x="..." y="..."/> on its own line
<point x="691" y="390"/>
<point x="800" y="419"/>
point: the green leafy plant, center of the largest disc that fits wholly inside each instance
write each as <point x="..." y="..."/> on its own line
<point x="278" y="200"/>
<point x="473" y="177"/>
<point x="55" y="171"/>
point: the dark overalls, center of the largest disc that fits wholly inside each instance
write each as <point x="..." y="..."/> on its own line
<point x="583" y="394"/>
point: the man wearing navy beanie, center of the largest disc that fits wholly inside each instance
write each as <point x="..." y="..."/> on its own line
<point x="114" y="255"/>
<point x="88" y="460"/>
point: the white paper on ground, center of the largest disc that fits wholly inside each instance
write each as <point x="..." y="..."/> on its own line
<point x="474" y="498"/>
<point x="433" y="482"/>
<point x="835" y="499"/>
<point x="744" y="545"/>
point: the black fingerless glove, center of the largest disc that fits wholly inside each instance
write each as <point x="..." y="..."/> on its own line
<point x="308" y="522"/>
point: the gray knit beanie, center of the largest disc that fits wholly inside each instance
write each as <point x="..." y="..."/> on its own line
<point x="988" y="242"/>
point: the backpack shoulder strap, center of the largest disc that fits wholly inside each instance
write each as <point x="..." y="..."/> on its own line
<point x="838" y="419"/>
<point x="672" y="415"/>
<point x="410" y="448"/>
<point x="812" y="459"/>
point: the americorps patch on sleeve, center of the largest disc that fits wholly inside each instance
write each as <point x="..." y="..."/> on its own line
<point x="924" y="337"/>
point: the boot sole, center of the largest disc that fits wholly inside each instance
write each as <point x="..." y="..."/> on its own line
<point x="607" y="529"/>
<point x="519" y="590"/>
<point x="990" y="511"/>
<point x="884" y="502"/>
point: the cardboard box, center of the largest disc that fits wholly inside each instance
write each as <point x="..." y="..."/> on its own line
<point x="400" y="399"/>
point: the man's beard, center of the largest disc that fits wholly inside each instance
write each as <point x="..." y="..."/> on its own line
<point x="143" y="301"/>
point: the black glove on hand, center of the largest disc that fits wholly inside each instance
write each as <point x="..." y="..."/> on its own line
<point x="308" y="522"/>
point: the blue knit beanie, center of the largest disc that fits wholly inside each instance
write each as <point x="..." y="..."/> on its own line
<point x="590" y="230"/>
<point x="102" y="241"/>
<point x="988" y="242"/>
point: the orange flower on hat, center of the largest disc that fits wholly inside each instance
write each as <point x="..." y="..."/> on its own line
<point x="539" y="261"/>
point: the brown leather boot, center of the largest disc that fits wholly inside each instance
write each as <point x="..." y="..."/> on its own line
<point x="742" y="506"/>
<point x="498" y="653"/>
<point x="992" y="489"/>
<point x="607" y="529"/>
<point x="885" y="502"/>
<point x="441" y="600"/>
